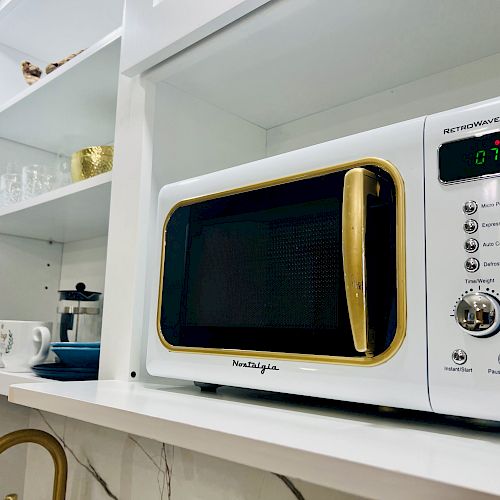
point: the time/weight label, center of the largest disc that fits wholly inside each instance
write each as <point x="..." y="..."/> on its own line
<point x="479" y="281"/>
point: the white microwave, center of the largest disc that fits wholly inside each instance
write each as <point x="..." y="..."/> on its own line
<point x="363" y="269"/>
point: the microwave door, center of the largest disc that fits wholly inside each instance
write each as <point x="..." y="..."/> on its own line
<point x="359" y="184"/>
<point x="300" y="268"/>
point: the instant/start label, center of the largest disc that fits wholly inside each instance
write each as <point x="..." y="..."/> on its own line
<point x="457" y="369"/>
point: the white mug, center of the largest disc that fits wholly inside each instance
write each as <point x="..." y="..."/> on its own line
<point x="23" y="344"/>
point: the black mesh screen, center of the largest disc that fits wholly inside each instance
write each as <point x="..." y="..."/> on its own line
<point x="258" y="271"/>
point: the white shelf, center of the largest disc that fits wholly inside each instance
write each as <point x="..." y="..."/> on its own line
<point x="288" y="60"/>
<point x="361" y="453"/>
<point x="76" y="212"/>
<point x="72" y="107"/>
<point x="9" y="378"/>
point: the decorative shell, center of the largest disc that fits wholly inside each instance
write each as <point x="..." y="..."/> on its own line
<point x="52" y="66"/>
<point x="31" y="72"/>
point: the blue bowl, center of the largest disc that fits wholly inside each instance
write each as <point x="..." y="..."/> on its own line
<point x="82" y="356"/>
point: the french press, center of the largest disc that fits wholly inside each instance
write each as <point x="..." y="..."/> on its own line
<point x="80" y="315"/>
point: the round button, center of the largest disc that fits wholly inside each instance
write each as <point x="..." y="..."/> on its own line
<point x="469" y="207"/>
<point x="471" y="245"/>
<point x="459" y="356"/>
<point x="470" y="226"/>
<point x="472" y="265"/>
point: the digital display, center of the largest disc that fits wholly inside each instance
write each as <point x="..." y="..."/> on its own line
<point x="469" y="158"/>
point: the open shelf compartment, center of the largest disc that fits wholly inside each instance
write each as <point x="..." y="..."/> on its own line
<point x="71" y="108"/>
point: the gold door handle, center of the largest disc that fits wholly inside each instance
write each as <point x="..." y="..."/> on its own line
<point x="359" y="183"/>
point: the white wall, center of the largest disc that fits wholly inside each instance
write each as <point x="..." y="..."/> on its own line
<point x="85" y="261"/>
<point x="459" y="86"/>
<point x="29" y="278"/>
<point x="22" y="155"/>
<point x="193" y="137"/>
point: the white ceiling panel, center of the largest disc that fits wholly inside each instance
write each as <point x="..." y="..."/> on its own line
<point x="292" y="58"/>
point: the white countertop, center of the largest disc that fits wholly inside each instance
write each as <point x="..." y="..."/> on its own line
<point x="8" y="378"/>
<point x="354" y="448"/>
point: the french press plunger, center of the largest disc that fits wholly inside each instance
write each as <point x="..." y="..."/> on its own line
<point x="80" y="314"/>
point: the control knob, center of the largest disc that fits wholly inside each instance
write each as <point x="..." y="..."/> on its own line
<point x="478" y="314"/>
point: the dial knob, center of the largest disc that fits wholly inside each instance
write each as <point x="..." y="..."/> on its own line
<point x="478" y="314"/>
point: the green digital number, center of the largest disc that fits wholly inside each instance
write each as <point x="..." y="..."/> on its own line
<point x="496" y="153"/>
<point x="480" y="157"/>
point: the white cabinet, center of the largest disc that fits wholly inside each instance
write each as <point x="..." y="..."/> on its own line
<point x="45" y="240"/>
<point x="157" y="29"/>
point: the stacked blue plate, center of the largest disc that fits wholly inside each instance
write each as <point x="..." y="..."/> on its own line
<point x="78" y="361"/>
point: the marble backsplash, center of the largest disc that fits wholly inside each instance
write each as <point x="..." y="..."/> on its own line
<point x="106" y="464"/>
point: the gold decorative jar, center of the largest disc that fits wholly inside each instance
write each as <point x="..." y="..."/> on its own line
<point x="91" y="161"/>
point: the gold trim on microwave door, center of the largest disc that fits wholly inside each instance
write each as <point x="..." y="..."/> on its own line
<point x="384" y="165"/>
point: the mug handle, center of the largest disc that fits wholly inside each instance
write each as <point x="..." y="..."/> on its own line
<point x="41" y="339"/>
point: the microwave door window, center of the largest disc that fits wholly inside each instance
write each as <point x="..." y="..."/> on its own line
<point x="263" y="271"/>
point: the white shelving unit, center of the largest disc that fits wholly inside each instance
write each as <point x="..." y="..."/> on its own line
<point x="76" y="212"/>
<point x="371" y="455"/>
<point x="71" y="108"/>
<point x="53" y="241"/>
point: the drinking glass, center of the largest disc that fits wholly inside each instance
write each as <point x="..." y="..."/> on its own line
<point x="32" y="181"/>
<point x="48" y="181"/>
<point x="10" y="188"/>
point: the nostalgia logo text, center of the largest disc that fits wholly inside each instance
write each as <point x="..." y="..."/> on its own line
<point x="262" y="367"/>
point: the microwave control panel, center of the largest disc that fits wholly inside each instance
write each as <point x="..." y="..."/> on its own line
<point x="462" y="181"/>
